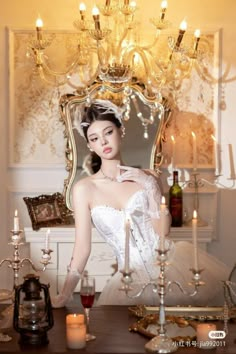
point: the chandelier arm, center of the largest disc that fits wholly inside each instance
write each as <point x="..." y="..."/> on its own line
<point x="59" y="73"/>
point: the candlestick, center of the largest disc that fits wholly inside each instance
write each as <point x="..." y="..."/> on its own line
<point x="127" y="238"/>
<point x="231" y="162"/>
<point x="16" y="226"/>
<point x="163" y="223"/>
<point x="39" y="27"/>
<point x="203" y="339"/>
<point x="75" y="331"/>
<point x="108" y="2"/>
<point x="173" y="152"/>
<point x="95" y="13"/>
<point x="47" y="239"/>
<point x="194" y="233"/>
<point x="194" y="151"/>
<point x="82" y="9"/>
<point x="182" y="29"/>
<point x="163" y="9"/>
<point x="126" y="2"/>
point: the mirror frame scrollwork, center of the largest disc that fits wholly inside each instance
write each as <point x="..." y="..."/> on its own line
<point x="67" y="101"/>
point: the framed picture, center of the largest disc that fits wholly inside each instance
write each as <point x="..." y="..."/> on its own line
<point x="48" y="210"/>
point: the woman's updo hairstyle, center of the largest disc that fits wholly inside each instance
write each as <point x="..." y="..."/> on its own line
<point x="100" y="110"/>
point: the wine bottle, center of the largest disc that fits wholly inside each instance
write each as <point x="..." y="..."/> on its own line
<point x="176" y="202"/>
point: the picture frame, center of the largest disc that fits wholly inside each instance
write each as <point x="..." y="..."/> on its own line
<point x="48" y="210"/>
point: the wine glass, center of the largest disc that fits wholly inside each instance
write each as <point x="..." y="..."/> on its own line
<point x="87" y="294"/>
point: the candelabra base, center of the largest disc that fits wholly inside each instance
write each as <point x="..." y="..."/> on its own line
<point x="161" y="344"/>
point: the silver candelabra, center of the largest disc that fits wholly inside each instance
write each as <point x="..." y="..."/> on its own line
<point x="162" y="343"/>
<point x="16" y="263"/>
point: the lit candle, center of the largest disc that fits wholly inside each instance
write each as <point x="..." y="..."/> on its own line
<point x="127" y="238"/>
<point x="216" y="155"/>
<point x="47" y="239"/>
<point x="231" y="162"/>
<point x="194" y="233"/>
<point x="194" y="151"/>
<point x="203" y="339"/>
<point x="163" y="220"/>
<point x="163" y="9"/>
<point x="95" y="13"/>
<point x="108" y="2"/>
<point x="182" y="30"/>
<point x="197" y="34"/>
<point x="75" y="331"/>
<point x="82" y="9"/>
<point x="16" y="227"/>
<point x="173" y="152"/>
<point x="39" y="26"/>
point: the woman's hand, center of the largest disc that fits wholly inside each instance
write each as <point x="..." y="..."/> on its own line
<point x="133" y="174"/>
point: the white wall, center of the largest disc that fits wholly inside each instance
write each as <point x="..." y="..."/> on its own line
<point x="17" y="182"/>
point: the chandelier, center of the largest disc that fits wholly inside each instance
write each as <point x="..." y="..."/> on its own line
<point x="112" y="60"/>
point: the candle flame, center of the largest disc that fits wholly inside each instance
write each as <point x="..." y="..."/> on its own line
<point x="16" y="212"/>
<point x="193" y="135"/>
<point x="195" y="214"/>
<point x="163" y="200"/>
<point x="197" y="33"/>
<point x="39" y="23"/>
<point x="48" y="231"/>
<point x="183" y="26"/>
<point x="164" y="4"/>
<point x="95" y="11"/>
<point x="82" y="7"/>
<point x="172" y="138"/>
<point x="133" y="4"/>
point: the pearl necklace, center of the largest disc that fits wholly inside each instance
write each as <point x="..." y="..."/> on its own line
<point x="112" y="179"/>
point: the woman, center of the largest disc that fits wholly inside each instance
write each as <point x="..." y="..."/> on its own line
<point x="111" y="195"/>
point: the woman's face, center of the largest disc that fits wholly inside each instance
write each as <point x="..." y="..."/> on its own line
<point x="104" y="138"/>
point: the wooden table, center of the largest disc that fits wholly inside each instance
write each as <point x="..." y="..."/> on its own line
<point x="110" y="325"/>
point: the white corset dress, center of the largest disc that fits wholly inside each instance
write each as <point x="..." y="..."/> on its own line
<point x="110" y="222"/>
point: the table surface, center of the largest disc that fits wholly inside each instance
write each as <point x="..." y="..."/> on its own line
<point x="110" y="324"/>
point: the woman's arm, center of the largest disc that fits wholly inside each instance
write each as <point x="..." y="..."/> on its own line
<point x="82" y="245"/>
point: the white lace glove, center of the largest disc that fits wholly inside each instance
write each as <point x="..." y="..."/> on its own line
<point x="149" y="183"/>
<point x="72" y="278"/>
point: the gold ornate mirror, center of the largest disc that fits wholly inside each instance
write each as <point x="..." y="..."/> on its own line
<point x="137" y="150"/>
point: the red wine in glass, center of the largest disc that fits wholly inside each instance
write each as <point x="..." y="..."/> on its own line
<point x="87" y="294"/>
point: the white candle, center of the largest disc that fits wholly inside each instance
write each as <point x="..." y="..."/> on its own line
<point x="203" y="339"/>
<point x="194" y="234"/>
<point x="39" y="27"/>
<point x="75" y="331"/>
<point x="47" y="239"/>
<point x="197" y="34"/>
<point x="82" y="9"/>
<point x="163" y="223"/>
<point x="173" y="152"/>
<point x="194" y="151"/>
<point x="95" y="13"/>
<point x="127" y="238"/>
<point x="231" y="162"/>
<point x="163" y="9"/>
<point x="216" y="156"/>
<point x="16" y="227"/>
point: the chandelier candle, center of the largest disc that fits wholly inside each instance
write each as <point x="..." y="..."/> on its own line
<point x="95" y="13"/>
<point x="197" y="34"/>
<point x="163" y="9"/>
<point x="108" y="2"/>
<point x="194" y="232"/>
<point x="182" y="30"/>
<point x="16" y="226"/>
<point x="39" y="26"/>
<point x="194" y="151"/>
<point x="127" y="238"/>
<point x="82" y="9"/>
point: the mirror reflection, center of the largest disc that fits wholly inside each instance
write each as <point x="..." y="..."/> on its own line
<point x="141" y="146"/>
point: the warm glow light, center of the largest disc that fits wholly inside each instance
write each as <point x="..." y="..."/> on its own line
<point x="16" y="212"/>
<point x="163" y="200"/>
<point x="213" y="138"/>
<point x="197" y="33"/>
<point x="195" y="214"/>
<point x="172" y="138"/>
<point x="133" y="4"/>
<point x="95" y="11"/>
<point x="164" y="4"/>
<point x="39" y="23"/>
<point x="193" y="135"/>
<point x="82" y="7"/>
<point x="183" y="26"/>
